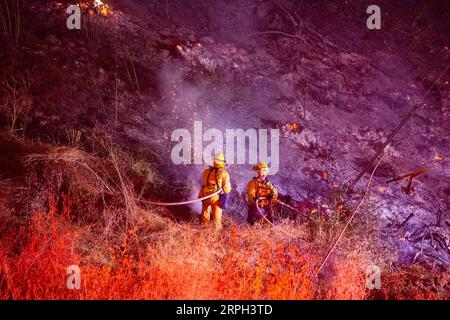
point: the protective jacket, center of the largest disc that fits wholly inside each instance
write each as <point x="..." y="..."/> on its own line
<point x="213" y="179"/>
<point x="261" y="189"/>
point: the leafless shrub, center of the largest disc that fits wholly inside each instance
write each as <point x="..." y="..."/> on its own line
<point x="17" y="99"/>
<point x="10" y="20"/>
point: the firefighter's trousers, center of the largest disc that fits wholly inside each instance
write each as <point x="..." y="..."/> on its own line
<point x="254" y="215"/>
<point x="208" y="206"/>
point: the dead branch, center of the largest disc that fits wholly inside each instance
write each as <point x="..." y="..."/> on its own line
<point x="276" y="32"/>
<point x="286" y="11"/>
<point x="406" y="220"/>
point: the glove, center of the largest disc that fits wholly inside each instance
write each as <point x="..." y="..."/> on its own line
<point x="259" y="198"/>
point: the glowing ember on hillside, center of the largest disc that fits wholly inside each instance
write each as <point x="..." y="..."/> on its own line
<point x="102" y="7"/>
<point x="294" y="127"/>
<point x="96" y="7"/>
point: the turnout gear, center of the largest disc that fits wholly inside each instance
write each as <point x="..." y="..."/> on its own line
<point x="253" y="214"/>
<point x="213" y="179"/>
<point x="262" y="190"/>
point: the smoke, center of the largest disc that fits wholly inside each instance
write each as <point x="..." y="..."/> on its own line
<point x="213" y="98"/>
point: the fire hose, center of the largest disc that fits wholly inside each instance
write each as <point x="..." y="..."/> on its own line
<point x="180" y="203"/>
<point x="291" y="207"/>
<point x="267" y="220"/>
<point x="351" y="217"/>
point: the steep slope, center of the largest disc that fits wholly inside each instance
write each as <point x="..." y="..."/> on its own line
<point x="333" y="89"/>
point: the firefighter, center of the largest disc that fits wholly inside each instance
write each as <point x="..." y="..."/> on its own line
<point x="260" y="188"/>
<point x="213" y="179"/>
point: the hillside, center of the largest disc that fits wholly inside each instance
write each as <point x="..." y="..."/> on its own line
<point x="87" y="137"/>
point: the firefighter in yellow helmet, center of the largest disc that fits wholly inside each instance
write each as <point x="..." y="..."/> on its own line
<point x="260" y="188"/>
<point x="213" y="179"/>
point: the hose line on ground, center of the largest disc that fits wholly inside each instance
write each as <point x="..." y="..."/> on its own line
<point x="267" y="220"/>
<point x="179" y="203"/>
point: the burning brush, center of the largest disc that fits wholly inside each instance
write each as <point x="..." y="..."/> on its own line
<point x="102" y="8"/>
<point x="96" y="7"/>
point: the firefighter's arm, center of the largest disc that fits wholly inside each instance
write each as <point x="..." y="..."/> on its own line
<point x="226" y="184"/>
<point x="273" y="190"/>
<point x="251" y="192"/>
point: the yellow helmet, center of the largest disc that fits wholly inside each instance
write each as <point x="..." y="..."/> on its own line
<point x="263" y="167"/>
<point x="219" y="160"/>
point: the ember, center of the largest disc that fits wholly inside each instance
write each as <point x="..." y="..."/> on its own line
<point x="439" y="158"/>
<point x="340" y="208"/>
<point x="294" y="127"/>
<point x="97" y="7"/>
<point x="103" y="8"/>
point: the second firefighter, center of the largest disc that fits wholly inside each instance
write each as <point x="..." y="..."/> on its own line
<point x="262" y="190"/>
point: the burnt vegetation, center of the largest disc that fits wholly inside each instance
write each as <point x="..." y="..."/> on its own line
<point x="86" y="117"/>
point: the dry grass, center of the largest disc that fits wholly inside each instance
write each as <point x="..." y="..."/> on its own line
<point x="66" y="155"/>
<point x="156" y="258"/>
<point x="130" y="252"/>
